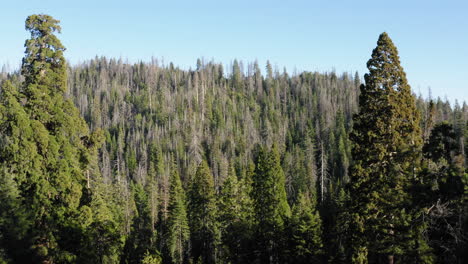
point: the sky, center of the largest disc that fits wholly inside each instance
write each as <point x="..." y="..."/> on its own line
<point x="431" y="36"/>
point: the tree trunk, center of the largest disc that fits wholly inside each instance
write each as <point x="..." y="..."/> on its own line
<point x="322" y="172"/>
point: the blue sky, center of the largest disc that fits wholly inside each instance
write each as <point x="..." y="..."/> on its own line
<point x="431" y="36"/>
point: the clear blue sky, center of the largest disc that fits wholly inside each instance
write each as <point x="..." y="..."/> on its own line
<point x="431" y="36"/>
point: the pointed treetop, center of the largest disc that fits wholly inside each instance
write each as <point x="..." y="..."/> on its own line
<point x="42" y="24"/>
<point x="385" y="71"/>
<point x="43" y="63"/>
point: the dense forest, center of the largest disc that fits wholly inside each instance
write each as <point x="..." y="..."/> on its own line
<point x="113" y="162"/>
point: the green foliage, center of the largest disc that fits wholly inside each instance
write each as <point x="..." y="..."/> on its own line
<point x="271" y="208"/>
<point x="442" y="193"/>
<point x="142" y="236"/>
<point x="386" y="152"/>
<point x="204" y="227"/>
<point x="230" y="214"/>
<point x="47" y="151"/>
<point x="306" y="232"/>
<point x="56" y="207"/>
<point x="235" y="218"/>
<point x="103" y="239"/>
<point x="338" y="226"/>
<point x="178" y="228"/>
<point x="151" y="259"/>
<point x="442" y="143"/>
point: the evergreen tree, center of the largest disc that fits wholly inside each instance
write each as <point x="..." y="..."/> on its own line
<point x="142" y="236"/>
<point x="204" y="228"/>
<point x="55" y="207"/>
<point x="177" y="223"/>
<point x="306" y="232"/>
<point x="234" y="213"/>
<point x="104" y="238"/>
<point x="242" y="243"/>
<point x="339" y="227"/>
<point x="386" y="153"/>
<point x="271" y="209"/>
<point x="442" y="143"/>
<point x="52" y="180"/>
<point x="443" y="188"/>
<point x="18" y="159"/>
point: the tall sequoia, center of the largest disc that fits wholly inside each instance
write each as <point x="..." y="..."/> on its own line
<point x="386" y="151"/>
<point x="52" y="166"/>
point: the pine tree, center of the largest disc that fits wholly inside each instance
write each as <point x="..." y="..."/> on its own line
<point x="234" y="217"/>
<point x="339" y="229"/>
<point x="443" y="190"/>
<point x="241" y="249"/>
<point x="271" y="209"/>
<point x="237" y="76"/>
<point x="387" y="143"/>
<point x="142" y="235"/>
<point x="103" y="240"/>
<point x="204" y="228"/>
<point x="306" y="232"/>
<point x="342" y="148"/>
<point x="177" y="223"/>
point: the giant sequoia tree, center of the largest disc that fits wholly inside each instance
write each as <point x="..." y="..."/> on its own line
<point x="386" y="152"/>
<point x="47" y="151"/>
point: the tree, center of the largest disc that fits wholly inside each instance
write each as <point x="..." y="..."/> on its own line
<point x="234" y="217"/>
<point x="177" y="223"/>
<point x="18" y="158"/>
<point x="339" y="227"/>
<point x="142" y="236"/>
<point x="442" y="143"/>
<point x="306" y="232"/>
<point x="52" y="180"/>
<point x="386" y="147"/>
<point x="237" y="76"/>
<point x="271" y="209"/>
<point x="203" y="222"/>
<point x="150" y="112"/>
<point x="445" y="182"/>
<point x="44" y="69"/>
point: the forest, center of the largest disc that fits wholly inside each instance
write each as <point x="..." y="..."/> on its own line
<point x="108" y="161"/>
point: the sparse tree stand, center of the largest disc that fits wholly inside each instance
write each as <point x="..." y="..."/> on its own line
<point x="386" y="151"/>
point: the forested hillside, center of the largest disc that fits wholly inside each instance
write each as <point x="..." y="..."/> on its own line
<point x="239" y="164"/>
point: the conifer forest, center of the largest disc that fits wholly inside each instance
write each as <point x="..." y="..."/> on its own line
<point x="108" y="161"/>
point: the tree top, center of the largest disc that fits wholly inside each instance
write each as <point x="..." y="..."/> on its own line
<point x="41" y="24"/>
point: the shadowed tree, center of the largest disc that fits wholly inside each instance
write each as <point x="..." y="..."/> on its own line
<point x="306" y="232"/>
<point x="271" y="208"/>
<point x="202" y="209"/>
